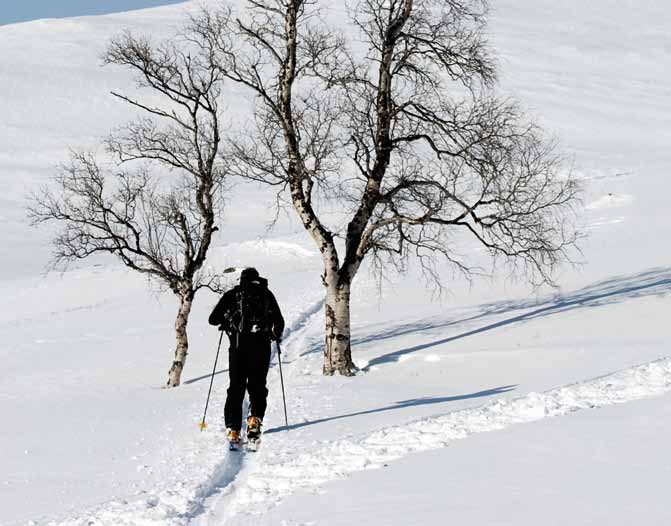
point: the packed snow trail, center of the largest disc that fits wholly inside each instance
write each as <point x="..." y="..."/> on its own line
<point x="266" y="483"/>
<point x="179" y="502"/>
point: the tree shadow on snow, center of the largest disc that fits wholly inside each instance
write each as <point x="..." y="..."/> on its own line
<point x="400" y="405"/>
<point x="655" y="282"/>
<point x="203" y="377"/>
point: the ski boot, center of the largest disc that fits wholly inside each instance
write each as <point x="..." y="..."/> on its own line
<point x="253" y="433"/>
<point x="233" y="436"/>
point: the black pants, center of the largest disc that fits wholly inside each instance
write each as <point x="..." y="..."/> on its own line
<point x="248" y="362"/>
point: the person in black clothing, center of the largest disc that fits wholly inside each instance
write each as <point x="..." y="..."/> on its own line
<point x="251" y="317"/>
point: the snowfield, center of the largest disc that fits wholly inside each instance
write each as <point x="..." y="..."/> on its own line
<point x="491" y="405"/>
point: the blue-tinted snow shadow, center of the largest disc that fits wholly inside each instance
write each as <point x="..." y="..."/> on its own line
<point x="655" y="282"/>
<point x="399" y="405"/>
<point x="203" y="377"/>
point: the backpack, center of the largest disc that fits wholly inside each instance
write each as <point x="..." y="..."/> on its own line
<point x="251" y="310"/>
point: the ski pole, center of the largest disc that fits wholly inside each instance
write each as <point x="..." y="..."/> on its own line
<point x="203" y="425"/>
<point x="284" y="400"/>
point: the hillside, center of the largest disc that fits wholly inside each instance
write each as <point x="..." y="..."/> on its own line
<point x="494" y="404"/>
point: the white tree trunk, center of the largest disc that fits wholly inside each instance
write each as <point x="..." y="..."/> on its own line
<point x="337" y="343"/>
<point x="175" y="374"/>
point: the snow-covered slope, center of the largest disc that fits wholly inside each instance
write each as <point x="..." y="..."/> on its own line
<point x="89" y="437"/>
<point x="595" y="467"/>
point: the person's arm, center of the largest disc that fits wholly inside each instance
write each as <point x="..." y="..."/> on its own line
<point x="217" y="316"/>
<point x="276" y="318"/>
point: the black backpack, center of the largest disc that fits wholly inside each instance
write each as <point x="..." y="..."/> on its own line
<point x="251" y="310"/>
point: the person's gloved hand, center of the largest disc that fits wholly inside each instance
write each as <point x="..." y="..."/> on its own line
<point x="275" y="336"/>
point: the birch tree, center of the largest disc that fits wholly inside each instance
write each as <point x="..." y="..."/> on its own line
<point x="155" y="206"/>
<point x="401" y="132"/>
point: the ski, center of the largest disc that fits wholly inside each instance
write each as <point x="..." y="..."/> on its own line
<point x="253" y="444"/>
<point x="253" y="433"/>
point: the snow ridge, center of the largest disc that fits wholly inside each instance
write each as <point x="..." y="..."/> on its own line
<point x="285" y="473"/>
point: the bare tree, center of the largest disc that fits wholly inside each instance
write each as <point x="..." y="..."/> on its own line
<point x="159" y="226"/>
<point x="404" y="134"/>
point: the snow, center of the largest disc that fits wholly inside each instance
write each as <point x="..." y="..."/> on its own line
<point x="593" y="467"/>
<point x="278" y="474"/>
<point x="610" y="201"/>
<point x="494" y="404"/>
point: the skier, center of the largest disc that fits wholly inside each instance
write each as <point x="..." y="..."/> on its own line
<point x="251" y="317"/>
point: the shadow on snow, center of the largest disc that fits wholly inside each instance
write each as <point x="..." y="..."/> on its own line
<point x="203" y="377"/>
<point x="650" y="283"/>
<point x="400" y="405"/>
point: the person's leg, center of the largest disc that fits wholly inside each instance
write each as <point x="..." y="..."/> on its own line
<point x="236" y="388"/>
<point x="258" y="363"/>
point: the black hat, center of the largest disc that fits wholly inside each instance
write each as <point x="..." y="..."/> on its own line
<point x="248" y="275"/>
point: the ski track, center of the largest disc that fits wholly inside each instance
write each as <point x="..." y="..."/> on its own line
<point x="265" y="484"/>
<point x="187" y="497"/>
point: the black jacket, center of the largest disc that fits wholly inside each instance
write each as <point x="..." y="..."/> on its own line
<point x="228" y="305"/>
